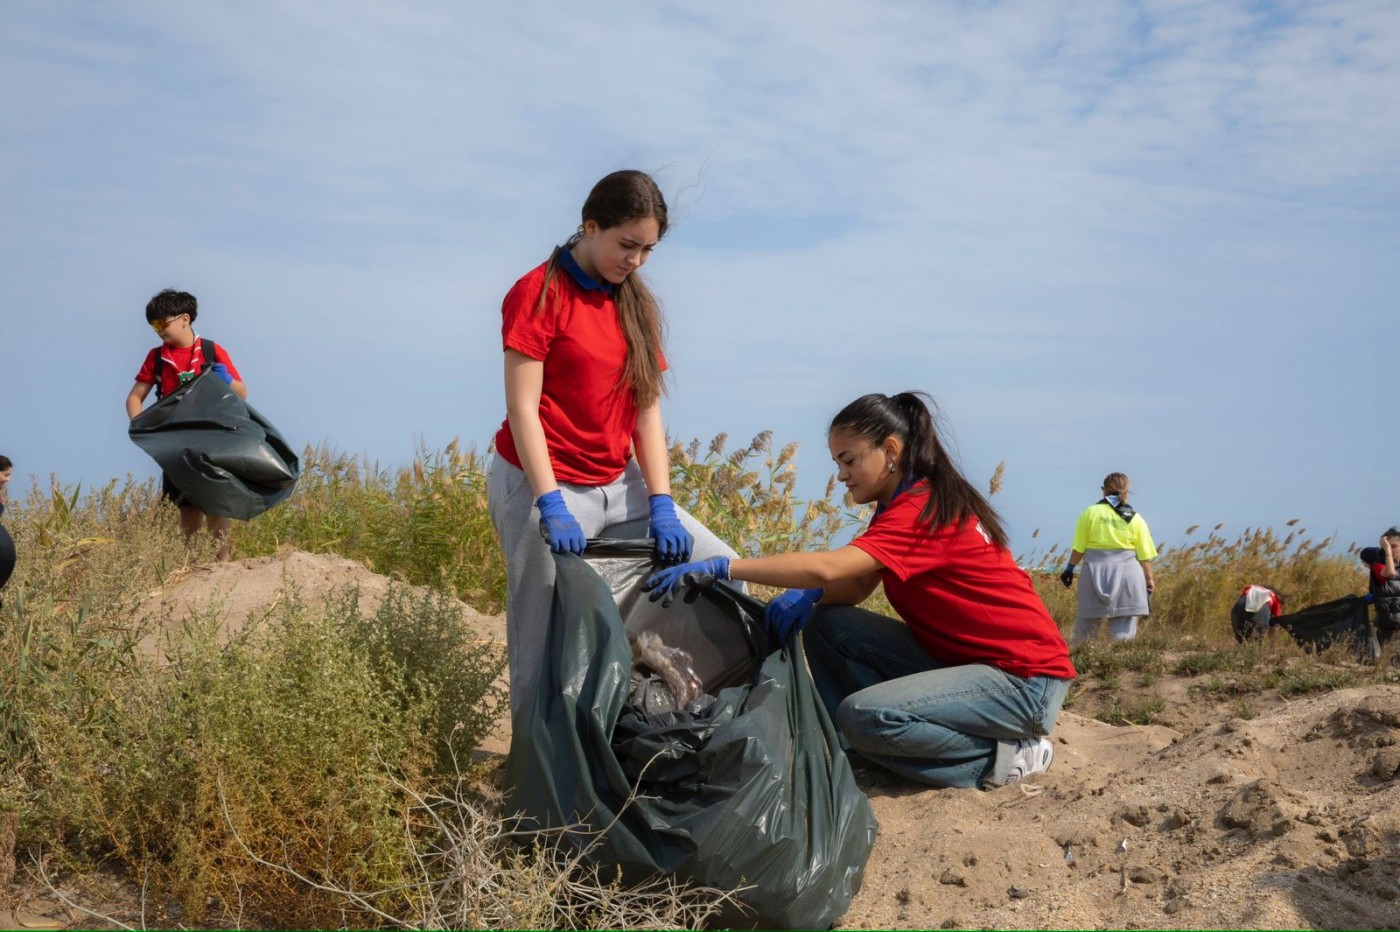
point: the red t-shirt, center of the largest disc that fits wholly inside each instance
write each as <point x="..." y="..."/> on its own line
<point x="180" y="359"/>
<point x="963" y="597"/>
<point x="588" y="417"/>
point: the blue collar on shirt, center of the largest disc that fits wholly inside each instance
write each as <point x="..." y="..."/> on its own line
<point x="569" y="264"/>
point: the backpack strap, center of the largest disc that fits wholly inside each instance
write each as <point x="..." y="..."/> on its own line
<point x="156" y="371"/>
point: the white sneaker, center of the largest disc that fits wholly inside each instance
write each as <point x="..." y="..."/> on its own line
<point x="1033" y="755"/>
<point x="1016" y="760"/>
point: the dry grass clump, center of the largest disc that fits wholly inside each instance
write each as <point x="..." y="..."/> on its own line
<point x="746" y="496"/>
<point x="425" y="523"/>
<point x="478" y="869"/>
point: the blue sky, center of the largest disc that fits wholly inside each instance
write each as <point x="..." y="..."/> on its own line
<point x="1155" y="237"/>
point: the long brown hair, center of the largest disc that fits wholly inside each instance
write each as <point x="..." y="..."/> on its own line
<point x="622" y="197"/>
<point x="877" y="417"/>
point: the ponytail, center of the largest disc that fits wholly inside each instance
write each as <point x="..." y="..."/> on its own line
<point x="1116" y="483"/>
<point x="952" y="499"/>
<point x="642" y="326"/>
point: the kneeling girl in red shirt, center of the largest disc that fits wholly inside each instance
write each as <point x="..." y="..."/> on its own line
<point x="962" y="689"/>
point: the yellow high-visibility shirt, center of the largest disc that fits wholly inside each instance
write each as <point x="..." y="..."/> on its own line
<point x="1101" y="528"/>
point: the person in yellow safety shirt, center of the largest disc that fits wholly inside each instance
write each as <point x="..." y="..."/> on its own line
<point x="1114" y="544"/>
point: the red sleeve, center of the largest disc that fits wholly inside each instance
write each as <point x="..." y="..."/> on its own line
<point x="221" y="355"/>
<point x="147" y="372"/>
<point x="522" y="328"/>
<point x="1378" y="574"/>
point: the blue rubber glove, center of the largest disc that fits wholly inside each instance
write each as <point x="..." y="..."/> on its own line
<point x="559" y="526"/>
<point x="687" y="578"/>
<point x="673" y="541"/>
<point x="222" y="372"/>
<point x="1067" y="577"/>
<point x="789" y="613"/>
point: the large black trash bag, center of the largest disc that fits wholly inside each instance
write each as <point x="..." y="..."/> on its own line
<point x="223" y="456"/>
<point x="1341" y="621"/>
<point x="754" y="790"/>
<point x="7" y="556"/>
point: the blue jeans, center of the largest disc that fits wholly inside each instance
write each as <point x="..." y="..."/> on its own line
<point x="927" y="721"/>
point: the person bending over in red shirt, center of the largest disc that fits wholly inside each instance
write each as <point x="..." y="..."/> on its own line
<point x="583" y="448"/>
<point x="963" y="687"/>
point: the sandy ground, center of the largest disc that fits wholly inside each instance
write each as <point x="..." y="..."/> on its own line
<point x="1288" y="820"/>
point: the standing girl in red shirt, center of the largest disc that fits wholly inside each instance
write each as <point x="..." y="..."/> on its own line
<point x="963" y="687"/>
<point x="583" y="447"/>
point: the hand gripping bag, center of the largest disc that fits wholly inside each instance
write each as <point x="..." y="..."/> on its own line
<point x="223" y="456"/>
<point x="754" y="791"/>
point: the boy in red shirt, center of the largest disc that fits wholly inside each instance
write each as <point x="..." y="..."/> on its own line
<point x="178" y="359"/>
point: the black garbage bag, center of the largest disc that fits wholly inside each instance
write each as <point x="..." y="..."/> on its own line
<point x="7" y="556"/>
<point x="223" y="456"/>
<point x="1341" y="621"/>
<point x="746" y="787"/>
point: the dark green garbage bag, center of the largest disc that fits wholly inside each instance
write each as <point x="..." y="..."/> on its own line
<point x="223" y="456"/>
<point x="755" y="791"/>
<point x="1340" y="621"/>
<point x="7" y="556"/>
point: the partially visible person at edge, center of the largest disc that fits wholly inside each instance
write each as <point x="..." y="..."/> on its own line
<point x="963" y="687"/>
<point x="1253" y="614"/>
<point x="177" y="360"/>
<point x="1383" y="583"/>
<point x="583" y="447"/>
<point x="1114" y="544"/>
<point x="7" y="543"/>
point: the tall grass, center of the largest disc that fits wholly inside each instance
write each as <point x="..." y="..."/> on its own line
<point x="748" y="498"/>
<point x="281" y="779"/>
<point x="425" y="523"/>
<point x="1199" y="581"/>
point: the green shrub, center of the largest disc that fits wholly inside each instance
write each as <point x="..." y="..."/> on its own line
<point x="429" y="657"/>
<point x="284" y="745"/>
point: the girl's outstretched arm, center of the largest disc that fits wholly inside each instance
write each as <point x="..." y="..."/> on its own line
<point x="848" y="574"/>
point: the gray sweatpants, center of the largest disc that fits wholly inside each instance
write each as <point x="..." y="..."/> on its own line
<point x="1122" y="628"/>
<point x="530" y="565"/>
